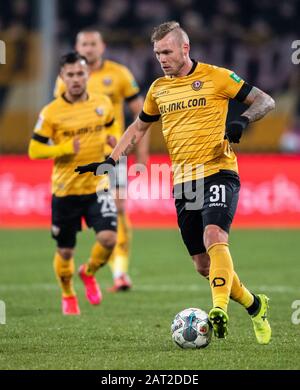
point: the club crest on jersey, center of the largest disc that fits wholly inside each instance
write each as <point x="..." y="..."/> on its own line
<point x="197" y="85"/>
<point x="107" y="81"/>
<point x="100" y="111"/>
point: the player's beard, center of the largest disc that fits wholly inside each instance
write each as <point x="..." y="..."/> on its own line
<point x="175" y="71"/>
<point x="77" y="94"/>
<point x="178" y="68"/>
<point x="92" y="61"/>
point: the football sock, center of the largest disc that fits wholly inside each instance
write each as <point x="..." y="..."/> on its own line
<point x="99" y="257"/>
<point x="220" y="274"/>
<point x="239" y="293"/>
<point x="64" y="271"/>
<point x="119" y="260"/>
<point x="255" y="307"/>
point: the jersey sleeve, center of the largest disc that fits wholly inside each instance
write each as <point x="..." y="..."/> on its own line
<point x="227" y="83"/>
<point x="130" y="88"/>
<point x="110" y="113"/>
<point x="44" y="128"/>
<point x="150" y="111"/>
<point x="59" y="88"/>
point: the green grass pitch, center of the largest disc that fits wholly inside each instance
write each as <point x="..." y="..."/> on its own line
<point x="132" y="330"/>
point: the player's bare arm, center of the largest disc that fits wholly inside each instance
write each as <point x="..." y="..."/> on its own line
<point x="142" y="150"/>
<point x="260" y="104"/>
<point x="130" y="138"/>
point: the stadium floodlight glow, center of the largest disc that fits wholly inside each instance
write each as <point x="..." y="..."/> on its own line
<point x="2" y="53"/>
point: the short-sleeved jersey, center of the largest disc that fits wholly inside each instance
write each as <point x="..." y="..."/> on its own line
<point x="89" y="121"/>
<point x="113" y="80"/>
<point x="193" y="110"/>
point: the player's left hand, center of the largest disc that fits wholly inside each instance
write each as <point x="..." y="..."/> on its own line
<point x="94" y="166"/>
<point x="235" y="129"/>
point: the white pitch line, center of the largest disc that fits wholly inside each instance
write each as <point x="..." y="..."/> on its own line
<point x="164" y="288"/>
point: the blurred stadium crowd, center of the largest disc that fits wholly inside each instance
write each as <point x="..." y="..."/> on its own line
<point x="253" y="37"/>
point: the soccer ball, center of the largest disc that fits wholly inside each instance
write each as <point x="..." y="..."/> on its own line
<point x="191" y="328"/>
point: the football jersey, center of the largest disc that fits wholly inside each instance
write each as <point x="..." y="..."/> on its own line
<point x="89" y="121"/>
<point x="113" y="80"/>
<point x="193" y="110"/>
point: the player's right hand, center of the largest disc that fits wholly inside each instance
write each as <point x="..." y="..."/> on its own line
<point x="93" y="167"/>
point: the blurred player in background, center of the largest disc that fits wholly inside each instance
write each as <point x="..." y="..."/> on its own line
<point x="192" y="101"/>
<point x="117" y="82"/>
<point x="78" y="125"/>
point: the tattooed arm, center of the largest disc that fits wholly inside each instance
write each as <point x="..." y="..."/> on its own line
<point x="260" y="104"/>
<point x="130" y="138"/>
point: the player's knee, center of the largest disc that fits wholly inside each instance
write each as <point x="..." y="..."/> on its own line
<point x="108" y="239"/>
<point x="204" y="271"/>
<point x="66" y="253"/>
<point x="213" y="234"/>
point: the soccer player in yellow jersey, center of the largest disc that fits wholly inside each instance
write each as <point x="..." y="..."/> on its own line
<point x="192" y="101"/>
<point x="77" y="124"/>
<point x="117" y="82"/>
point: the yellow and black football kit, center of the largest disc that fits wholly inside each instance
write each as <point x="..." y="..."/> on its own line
<point x="113" y="80"/>
<point x="74" y="196"/>
<point x="118" y="83"/>
<point x="193" y="110"/>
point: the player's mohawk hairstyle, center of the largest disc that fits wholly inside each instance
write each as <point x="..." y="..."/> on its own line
<point x="163" y="29"/>
<point x="71" y="58"/>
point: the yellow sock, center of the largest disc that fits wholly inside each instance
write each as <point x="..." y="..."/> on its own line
<point x="220" y="274"/>
<point x="64" y="271"/>
<point x="240" y="293"/>
<point x="119" y="260"/>
<point x="99" y="257"/>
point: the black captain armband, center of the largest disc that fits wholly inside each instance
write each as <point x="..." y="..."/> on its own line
<point x="243" y="92"/>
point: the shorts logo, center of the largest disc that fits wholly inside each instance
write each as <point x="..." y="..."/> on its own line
<point x="100" y="111"/>
<point x="197" y="85"/>
<point x="55" y="230"/>
<point x="107" y="82"/>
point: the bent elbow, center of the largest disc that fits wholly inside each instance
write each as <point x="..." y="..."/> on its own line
<point x="32" y="152"/>
<point x="272" y="104"/>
